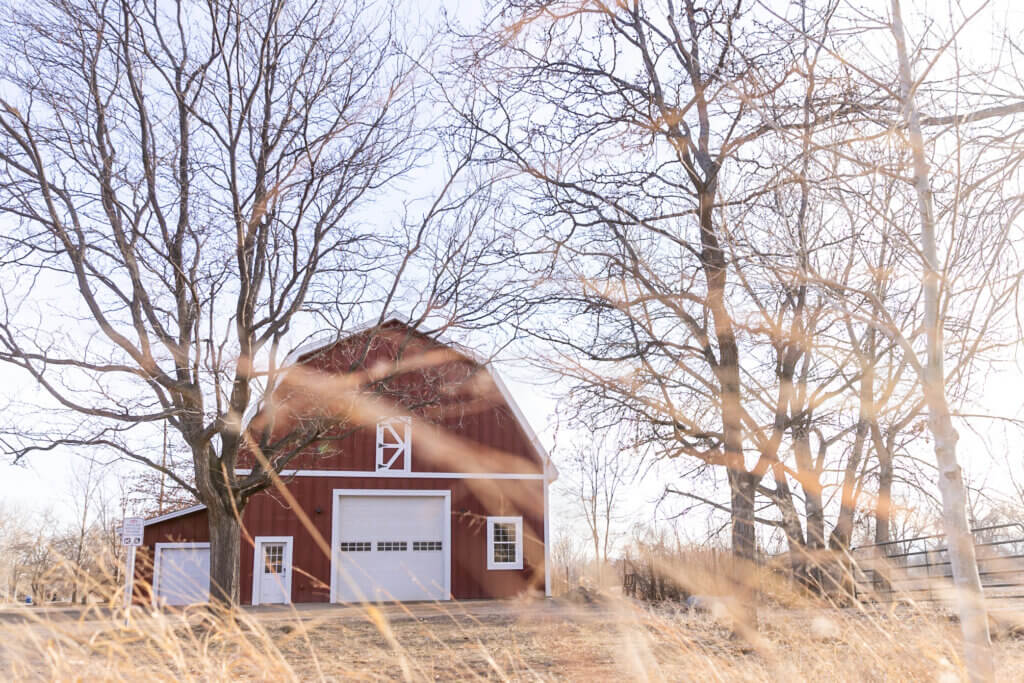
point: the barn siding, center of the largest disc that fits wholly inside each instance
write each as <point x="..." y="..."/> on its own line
<point x="457" y="395"/>
<point x="507" y="449"/>
<point x="464" y="403"/>
<point x="472" y="501"/>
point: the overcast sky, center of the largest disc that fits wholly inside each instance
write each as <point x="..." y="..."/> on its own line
<point x="988" y="442"/>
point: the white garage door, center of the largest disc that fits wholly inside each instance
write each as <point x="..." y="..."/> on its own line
<point x="182" y="573"/>
<point x="391" y="547"/>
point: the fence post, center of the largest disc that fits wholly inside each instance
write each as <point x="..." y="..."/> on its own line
<point x="928" y="569"/>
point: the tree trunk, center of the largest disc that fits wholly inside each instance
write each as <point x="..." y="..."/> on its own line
<point x="960" y="541"/>
<point x="783" y="499"/>
<point x="817" y="561"/>
<point x="883" y="509"/>
<point x="814" y="509"/>
<point x="596" y="538"/>
<point x="973" y="618"/>
<point x="225" y="548"/>
<point x="883" y="505"/>
<point x="844" y="524"/>
<point x="843" y="531"/>
<point x="815" y="512"/>
<point x="742" y="485"/>
<point x="744" y="543"/>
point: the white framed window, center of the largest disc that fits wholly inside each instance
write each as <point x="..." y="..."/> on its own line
<point x="273" y="558"/>
<point x="394" y="444"/>
<point x="504" y="542"/>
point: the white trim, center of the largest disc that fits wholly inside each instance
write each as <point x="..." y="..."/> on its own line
<point x="446" y="538"/>
<point x="257" y="572"/>
<point x="177" y="513"/>
<point x="518" y="522"/>
<point x="385" y="474"/>
<point x="547" y="542"/>
<point x="156" y="564"/>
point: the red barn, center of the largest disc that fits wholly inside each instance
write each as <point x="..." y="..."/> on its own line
<point x="432" y="486"/>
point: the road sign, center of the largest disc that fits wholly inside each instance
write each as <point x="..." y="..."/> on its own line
<point x="131" y="537"/>
<point x="131" y="531"/>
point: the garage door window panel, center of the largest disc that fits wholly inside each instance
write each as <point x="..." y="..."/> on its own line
<point x="504" y="542"/>
<point x="392" y="546"/>
<point x="427" y="546"/>
<point x="355" y="546"/>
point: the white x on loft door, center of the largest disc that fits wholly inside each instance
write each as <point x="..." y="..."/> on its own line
<point x="394" y="447"/>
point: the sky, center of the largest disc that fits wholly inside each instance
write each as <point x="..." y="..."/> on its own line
<point x="42" y="482"/>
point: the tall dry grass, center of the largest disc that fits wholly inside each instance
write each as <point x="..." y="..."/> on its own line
<point x="798" y="637"/>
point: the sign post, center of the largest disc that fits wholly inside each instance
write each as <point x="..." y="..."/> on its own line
<point x="131" y="538"/>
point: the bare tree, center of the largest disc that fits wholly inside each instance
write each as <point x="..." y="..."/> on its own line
<point x="85" y="493"/>
<point x="12" y="525"/>
<point x="565" y="560"/>
<point x="33" y="568"/>
<point x="687" y="173"/>
<point x="624" y="151"/>
<point x="195" y="179"/>
<point x="595" y="477"/>
<point x="960" y="542"/>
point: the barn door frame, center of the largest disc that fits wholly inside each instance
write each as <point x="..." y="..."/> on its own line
<point x="257" y="566"/>
<point x="158" y="549"/>
<point x="446" y="538"/>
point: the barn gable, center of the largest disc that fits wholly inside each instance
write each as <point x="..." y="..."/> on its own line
<point x="389" y="382"/>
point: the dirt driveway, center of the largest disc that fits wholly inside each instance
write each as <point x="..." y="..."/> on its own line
<point x="493" y="640"/>
<point x="525" y="610"/>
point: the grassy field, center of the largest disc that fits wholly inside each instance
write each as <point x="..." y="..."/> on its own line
<point x="543" y="640"/>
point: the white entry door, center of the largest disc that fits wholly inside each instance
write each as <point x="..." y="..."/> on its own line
<point x="391" y="545"/>
<point x="181" y="573"/>
<point x="272" y="570"/>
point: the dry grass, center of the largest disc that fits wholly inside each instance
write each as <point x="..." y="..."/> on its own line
<point x="499" y="641"/>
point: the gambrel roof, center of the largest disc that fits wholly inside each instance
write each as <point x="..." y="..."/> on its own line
<point x="322" y="343"/>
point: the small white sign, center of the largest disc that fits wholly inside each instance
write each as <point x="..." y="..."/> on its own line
<point x="131" y="537"/>
<point x="131" y="531"/>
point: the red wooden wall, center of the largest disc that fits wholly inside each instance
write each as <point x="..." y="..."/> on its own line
<point x="472" y="501"/>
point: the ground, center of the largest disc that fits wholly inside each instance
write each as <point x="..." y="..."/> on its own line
<point x="491" y="640"/>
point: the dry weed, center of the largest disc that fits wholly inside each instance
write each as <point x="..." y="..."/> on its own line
<point x="539" y="640"/>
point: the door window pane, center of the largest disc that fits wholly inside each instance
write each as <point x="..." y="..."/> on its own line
<point x="273" y="558"/>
